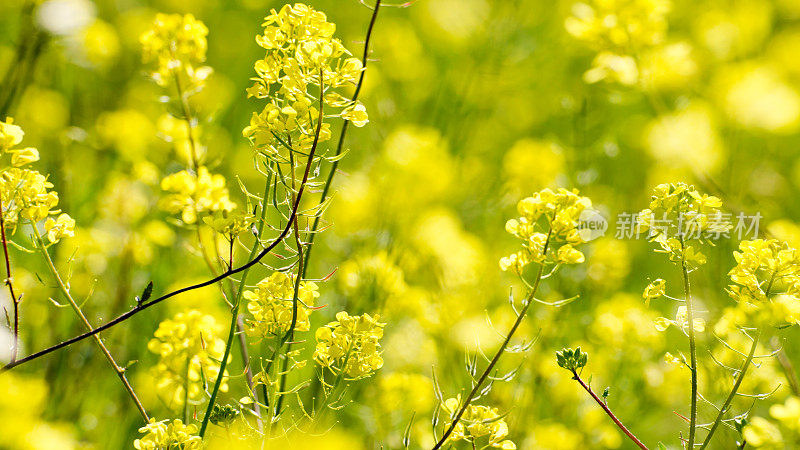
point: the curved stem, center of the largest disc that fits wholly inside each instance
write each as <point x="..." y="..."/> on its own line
<point x="340" y="145"/>
<point x="237" y="301"/>
<point x="499" y="353"/>
<point x="605" y="407"/>
<point x="65" y="291"/>
<point x="235" y="311"/>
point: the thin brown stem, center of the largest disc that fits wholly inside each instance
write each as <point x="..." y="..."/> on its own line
<point x="65" y="291"/>
<point x="608" y="411"/>
<point x="8" y="282"/>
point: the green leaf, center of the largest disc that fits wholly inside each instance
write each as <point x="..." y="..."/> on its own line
<point x="147" y="293"/>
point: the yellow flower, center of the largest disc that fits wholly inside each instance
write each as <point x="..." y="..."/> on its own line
<point x="763" y="265"/>
<point x="350" y="344"/>
<point x="194" y="194"/>
<point x="187" y="346"/>
<point x="165" y="435"/>
<point x="546" y="219"/>
<point x="567" y="254"/>
<point x="10" y="135"/>
<point x="272" y="304"/>
<point x="26" y="195"/>
<point x="301" y="52"/>
<point x="63" y="226"/>
<point x="177" y="43"/>
<point x="230" y="224"/>
<point x="356" y="114"/>
<point x="654" y="290"/>
<point x="478" y="422"/>
<point x="662" y="323"/>
<point x="680" y="219"/>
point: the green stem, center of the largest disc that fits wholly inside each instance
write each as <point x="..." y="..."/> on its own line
<point x="65" y="291"/>
<point x="235" y="310"/>
<point x="740" y="377"/>
<point x="500" y="351"/>
<point x="692" y="349"/>
<point x="186" y="393"/>
<point x="732" y="394"/>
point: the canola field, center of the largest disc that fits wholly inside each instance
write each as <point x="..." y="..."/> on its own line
<point x="425" y="224"/>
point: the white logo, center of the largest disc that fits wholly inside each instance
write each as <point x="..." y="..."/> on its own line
<point x="591" y="225"/>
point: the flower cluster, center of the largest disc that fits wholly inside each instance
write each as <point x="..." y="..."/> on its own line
<point x="229" y="223"/>
<point x="764" y="267"/>
<point x="163" y="436"/>
<point x="26" y="194"/>
<point x="561" y="212"/>
<point x="680" y="219"/>
<point x="618" y="30"/>
<point x="187" y="346"/>
<point x="192" y="194"/>
<point x="350" y="345"/>
<point x="11" y="136"/>
<point x="271" y="305"/>
<point x="479" y="423"/>
<point x="301" y="52"/>
<point x="178" y="44"/>
<point x="766" y="286"/>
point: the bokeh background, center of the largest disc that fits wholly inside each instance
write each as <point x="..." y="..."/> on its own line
<point x="473" y="105"/>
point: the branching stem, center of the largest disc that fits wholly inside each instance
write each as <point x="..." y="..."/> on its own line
<point x="476" y="388"/>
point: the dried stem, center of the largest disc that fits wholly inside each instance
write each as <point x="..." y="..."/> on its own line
<point x="8" y="282"/>
<point x="608" y="411"/>
<point x="65" y="291"/>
